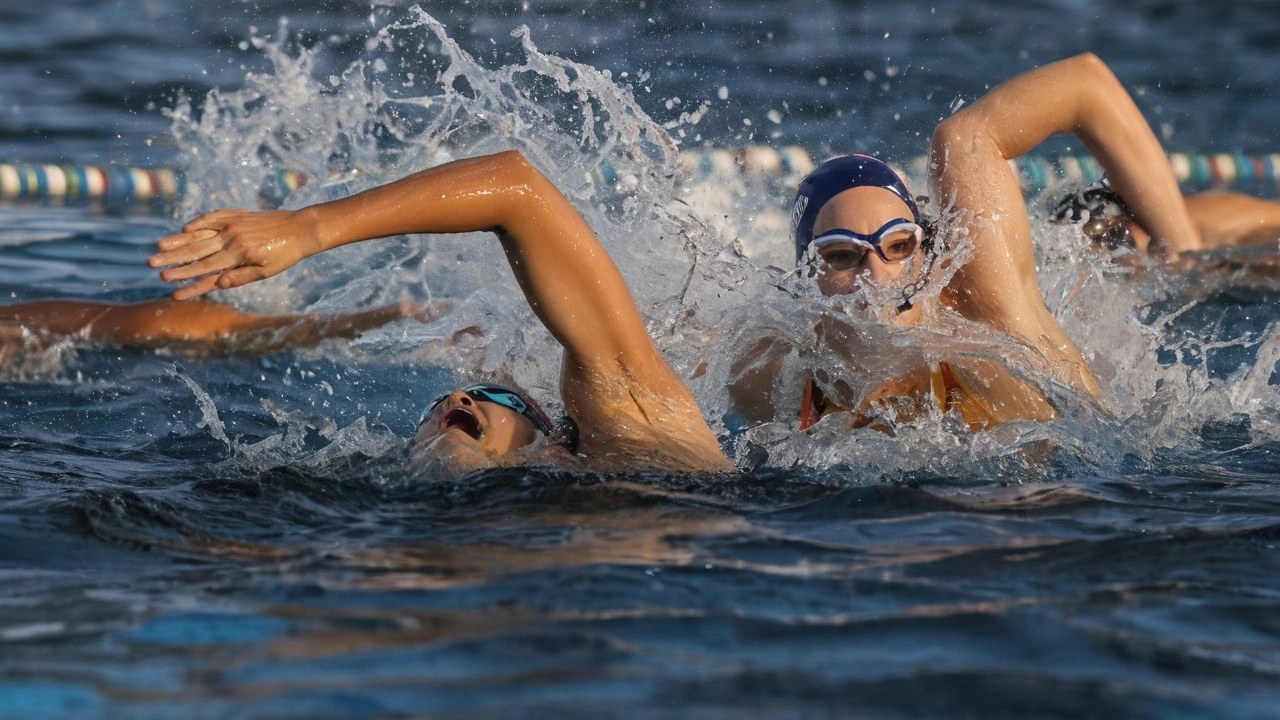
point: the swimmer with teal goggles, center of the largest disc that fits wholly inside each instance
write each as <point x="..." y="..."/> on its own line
<point x="631" y="410"/>
<point x="499" y="395"/>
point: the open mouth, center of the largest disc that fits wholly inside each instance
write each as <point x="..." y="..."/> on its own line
<point x="462" y="420"/>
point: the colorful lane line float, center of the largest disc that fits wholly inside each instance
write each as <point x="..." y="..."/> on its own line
<point x="75" y="182"/>
<point x="1246" y="173"/>
<point x="115" y="183"/>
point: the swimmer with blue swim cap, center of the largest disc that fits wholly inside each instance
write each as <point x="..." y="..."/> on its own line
<point x="854" y="219"/>
<point x="832" y="178"/>
<point x="893" y="242"/>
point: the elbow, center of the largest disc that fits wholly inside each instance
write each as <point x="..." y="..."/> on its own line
<point x="515" y="164"/>
<point x="511" y="158"/>
<point x="1088" y="58"/>
<point x="953" y="134"/>
<point x="520" y="173"/>
<point x="1092" y="67"/>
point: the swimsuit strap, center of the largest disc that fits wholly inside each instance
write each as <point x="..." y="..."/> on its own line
<point x="813" y="405"/>
<point x="950" y="391"/>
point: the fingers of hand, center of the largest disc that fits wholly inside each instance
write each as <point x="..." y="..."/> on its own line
<point x="240" y="276"/>
<point x="185" y="238"/>
<point x="193" y="247"/>
<point x="217" y="262"/>
<point x="197" y="288"/>
<point x="215" y="220"/>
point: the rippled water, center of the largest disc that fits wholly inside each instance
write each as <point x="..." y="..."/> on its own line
<point x="244" y="537"/>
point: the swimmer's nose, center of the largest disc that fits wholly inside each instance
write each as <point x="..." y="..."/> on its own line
<point x="882" y="272"/>
<point x="457" y="398"/>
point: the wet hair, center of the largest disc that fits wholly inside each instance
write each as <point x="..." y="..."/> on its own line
<point x="569" y="434"/>
<point x="1101" y="213"/>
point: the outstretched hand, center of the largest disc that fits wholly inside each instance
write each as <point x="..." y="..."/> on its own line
<point x="229" y="248"/>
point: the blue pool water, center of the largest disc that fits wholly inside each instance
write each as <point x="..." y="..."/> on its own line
<point x="234" y="537"/>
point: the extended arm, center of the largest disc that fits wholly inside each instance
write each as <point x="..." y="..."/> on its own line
<point x="1079" y="95"/>
<point x="1234" y="220"/>
<point x="566" y="275"/>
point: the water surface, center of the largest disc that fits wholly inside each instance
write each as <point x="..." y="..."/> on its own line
<point x="245" y="537"/>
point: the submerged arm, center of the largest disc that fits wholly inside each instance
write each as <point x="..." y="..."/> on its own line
<point x="198" y="324"/>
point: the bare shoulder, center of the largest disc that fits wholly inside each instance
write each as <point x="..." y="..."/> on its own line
<point x="655" y="422"/>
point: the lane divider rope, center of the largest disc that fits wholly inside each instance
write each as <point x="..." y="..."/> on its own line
<point x="1248" y="173"/>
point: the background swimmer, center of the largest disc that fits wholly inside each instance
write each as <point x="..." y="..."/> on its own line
<point x="629" y="407"/>
<point x="1224" y="219"/>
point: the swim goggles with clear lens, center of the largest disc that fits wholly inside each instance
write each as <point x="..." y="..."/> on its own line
<point x="894" y="242"/>
<point x="498" y="395"/>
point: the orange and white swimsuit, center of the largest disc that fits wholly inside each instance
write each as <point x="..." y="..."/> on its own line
<point x="947" y="388"/>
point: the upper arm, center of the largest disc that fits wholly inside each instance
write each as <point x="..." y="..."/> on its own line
<point x="568" y="278"/>
<point x="971" y="151"/>
<point x="972" y="176"/>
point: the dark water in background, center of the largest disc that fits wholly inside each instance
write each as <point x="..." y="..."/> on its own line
<point x="150" y="569"/>
<point x="81" y="80"/>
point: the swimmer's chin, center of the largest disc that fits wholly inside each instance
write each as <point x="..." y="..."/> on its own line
<point x="453" y="454"/>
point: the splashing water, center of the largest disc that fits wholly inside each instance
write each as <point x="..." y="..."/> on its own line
<point x="705" y="258"/>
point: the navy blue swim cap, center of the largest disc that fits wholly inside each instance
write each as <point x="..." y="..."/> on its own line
<point x="834" y="177"/>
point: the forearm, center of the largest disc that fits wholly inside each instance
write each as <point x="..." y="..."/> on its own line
<point x="228" y="248"/>
<point x="461" y="196"/>
<point x="567" y="277"/>
<point x="1113" y="129"/>
<point x="1233" y="219"/>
